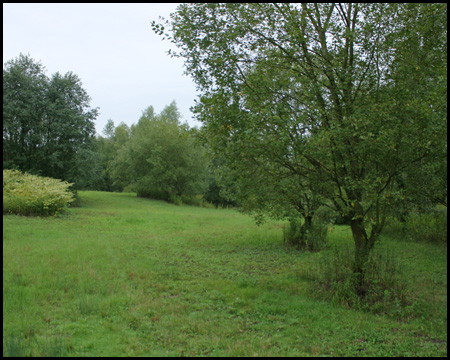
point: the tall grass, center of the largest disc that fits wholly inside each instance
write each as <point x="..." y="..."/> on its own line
<point x="127" y="276"/>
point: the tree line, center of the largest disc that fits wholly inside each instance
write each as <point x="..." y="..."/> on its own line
<point x="48" y="130"/>
<point x="159" y="158"/>
<point x="47" y="122"/>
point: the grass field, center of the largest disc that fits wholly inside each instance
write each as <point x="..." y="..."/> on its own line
<point x="125" y="276"/>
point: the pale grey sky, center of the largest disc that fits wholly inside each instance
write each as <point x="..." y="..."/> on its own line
<point x="121" y="62"/>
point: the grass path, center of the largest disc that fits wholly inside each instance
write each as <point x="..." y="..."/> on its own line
<point x="123" y="276"/>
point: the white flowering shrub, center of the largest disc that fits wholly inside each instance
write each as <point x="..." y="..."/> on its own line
<point x="26" y="194"/>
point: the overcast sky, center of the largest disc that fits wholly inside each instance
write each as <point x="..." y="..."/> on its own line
<point x="121" y="62"/>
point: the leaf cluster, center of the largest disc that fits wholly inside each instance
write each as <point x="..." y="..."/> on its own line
<point x="323" y="100"/>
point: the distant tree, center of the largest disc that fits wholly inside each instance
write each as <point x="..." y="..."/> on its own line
<point x="161" y="158"/>
<point x="24" y="111"/>
<point x="87" y="171"/>
<point x="47" y="123"/>
<point x="108" y="130"/>
<point x="215" y="192"/>
<point x="119" y="168"/>
<point x="323" y="94"/>
<point x="107" y="148"/>
<point x="69" y="124"/>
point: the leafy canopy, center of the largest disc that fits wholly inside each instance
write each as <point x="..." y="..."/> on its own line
<point x="47" y="122"/>
<point x="324" y="95"/>
<point x="161" y="158"/>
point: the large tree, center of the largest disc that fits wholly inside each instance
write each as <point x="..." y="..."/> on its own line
<point x="317" y="92"/>
<point x="24" y="90"/>
<point x="47" y="122"/>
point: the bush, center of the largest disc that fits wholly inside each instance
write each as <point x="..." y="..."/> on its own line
<point x="156" y="194"/>
<point x="193" y="200"/>
<point x="429" y="227"/>
<point x="311" y="238"/>
<point x="129" y="188"/>
<point x="175" y="199"/>
<point x="384" y="286"/>
<point x="26" y="194"/>
<point x="394" y="228"/>
<point x="213" y="196"/>
<point x="144" y="189"/>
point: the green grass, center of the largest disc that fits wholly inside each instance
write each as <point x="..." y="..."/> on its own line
<point x="124" y="276"/>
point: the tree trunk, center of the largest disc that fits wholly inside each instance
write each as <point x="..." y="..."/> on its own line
<point x="308" y="223"/>
<point x="363" y="245"/>
<point x="297" y="232"/>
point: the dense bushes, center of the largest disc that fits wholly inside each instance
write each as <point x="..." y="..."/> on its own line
<point x="26" y="194"/>
<point x="310" y="238"/>
<point x="420" y="226"/>
<point x="384" y="290"/>
<point x="429" y="227"/>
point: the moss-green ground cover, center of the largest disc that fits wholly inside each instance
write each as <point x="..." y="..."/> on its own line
<point x="124" y="276"/>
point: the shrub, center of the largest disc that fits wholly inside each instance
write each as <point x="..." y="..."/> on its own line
<point x="129" y="188"/>
<point x="395" y="228"/>
<point x="146" y="190"/>
<point x="26" y="194"/>
<point x="312" y="238"/>
<point x="384" y="286"/>
<point x="429" y="227"/>
<point x="193" y="200"/>
<point x="213" y="196"/>
<point x="175" y="199"/>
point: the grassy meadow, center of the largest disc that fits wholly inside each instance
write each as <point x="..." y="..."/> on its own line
<point x="126" y="276"/>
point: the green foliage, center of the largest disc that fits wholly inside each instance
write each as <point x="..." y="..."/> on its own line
<point x="144" y="189"/>
<point x="87" y="171"/>
<point x="304" y="237"/>
<point x="114" y="175"/>
<point x="47" y="122"/>
<point x="384" y="287"/>
<point x="427" y="226"/>
<point x="321" y="104"/>
<point x="26" y="194"/>
<point x="213" y="195"/>
<point x="161" y="158"/>
<point x="420" y="226"/>
<point x="420" y="72"/>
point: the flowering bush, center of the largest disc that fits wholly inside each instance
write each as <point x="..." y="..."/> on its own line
<point x="26" y="194"/>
